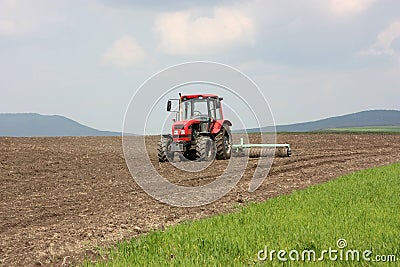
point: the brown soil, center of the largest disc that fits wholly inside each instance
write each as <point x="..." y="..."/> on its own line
<point x="62" y="197"/>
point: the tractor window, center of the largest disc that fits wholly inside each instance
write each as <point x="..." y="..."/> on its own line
<point x="200" y="108"/>
<point x="187" y="110"/>
<point x="218" y="111"/>
<point x="212" y="107"/>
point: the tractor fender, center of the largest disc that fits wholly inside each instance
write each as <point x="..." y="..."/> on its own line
<point x="228" y="122"/>
<point x="219" y="124"/>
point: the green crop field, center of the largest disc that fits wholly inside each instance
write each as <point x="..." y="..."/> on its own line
<point x="363" y="208"/>
<point x="367" y="129"/>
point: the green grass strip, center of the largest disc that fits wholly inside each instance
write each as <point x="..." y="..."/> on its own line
<point x="363" y="208"/>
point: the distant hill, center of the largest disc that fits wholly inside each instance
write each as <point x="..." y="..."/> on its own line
<point x="33" y="124"/>
<point x="359" y="119"/>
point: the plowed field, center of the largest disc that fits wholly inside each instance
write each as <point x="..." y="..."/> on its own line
<point x="62" y="197"/>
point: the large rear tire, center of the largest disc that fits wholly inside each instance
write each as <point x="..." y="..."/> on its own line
<point x="223" y="141"/>
<point x="205" y="148"/>
<point x="164" y="153"/>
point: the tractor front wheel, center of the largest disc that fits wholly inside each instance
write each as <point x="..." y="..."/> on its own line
<point x="205" y="148"/>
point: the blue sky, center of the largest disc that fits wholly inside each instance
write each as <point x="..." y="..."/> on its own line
<point x="311" y="59"/>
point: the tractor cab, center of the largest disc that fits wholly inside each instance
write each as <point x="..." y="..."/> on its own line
<point x="196" y="113"/>
<point x="200" y="107"/>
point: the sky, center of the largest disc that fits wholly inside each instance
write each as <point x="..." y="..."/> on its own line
<point x="86" y="59"/>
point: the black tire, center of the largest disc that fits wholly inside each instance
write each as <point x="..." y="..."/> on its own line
<point x="223" y="141"/>
<point x="205" y="148"/>
<point x="163" y="149"/>
<point x="190" y="155"/>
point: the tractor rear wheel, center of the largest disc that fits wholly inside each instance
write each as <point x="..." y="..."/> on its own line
<point x="164" y="153"/>
<point x="223" y="141"/>
<point x="205" y="148"/>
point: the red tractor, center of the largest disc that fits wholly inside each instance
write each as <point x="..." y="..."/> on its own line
<point x="199" y="131"/>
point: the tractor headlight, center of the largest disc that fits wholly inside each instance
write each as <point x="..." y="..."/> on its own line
<point x="182" y="132"/>
<point x="175" y="132"/>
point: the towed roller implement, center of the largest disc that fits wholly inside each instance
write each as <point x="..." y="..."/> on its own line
<point x="261" y="150"/>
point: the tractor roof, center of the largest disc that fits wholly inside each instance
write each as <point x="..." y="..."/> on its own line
<point x="184" y="97"/>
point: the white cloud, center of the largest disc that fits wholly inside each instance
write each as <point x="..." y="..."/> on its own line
<point x="7" y="27"/>
<point x="349" y="7"/>
<point x="20" y="18"/>
<point x="125" y="52"/>
<point x="383" y="44"/>
<point x="187" y="33"/>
